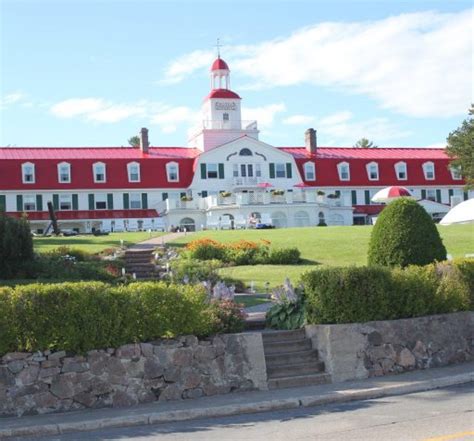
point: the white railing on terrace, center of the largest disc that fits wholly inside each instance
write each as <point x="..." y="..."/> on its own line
<point x="246" y="182"/>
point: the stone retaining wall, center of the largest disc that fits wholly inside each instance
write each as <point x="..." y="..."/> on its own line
<point x="45" y="382"/>
<point x="356" y="351"/>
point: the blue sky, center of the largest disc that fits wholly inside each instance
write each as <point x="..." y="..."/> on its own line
<point x="91" y="73"/>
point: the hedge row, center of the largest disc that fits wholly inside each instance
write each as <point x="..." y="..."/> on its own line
<point x="360" y="294"/>
<point x="78" y="317"/>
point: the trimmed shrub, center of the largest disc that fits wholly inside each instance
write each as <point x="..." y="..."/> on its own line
<point x="206" y="249"/>
<point x="361" y="294"/>
<point x="16" y="246"/>
<point x="466" y="267"/>
<point x="403" y="235"/>
<point x="194" y="271"/>
<point x="284" y="256"/>
<point x="78" y="317"/>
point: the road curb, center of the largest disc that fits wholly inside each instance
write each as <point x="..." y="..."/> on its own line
<point x="161" y="417"/>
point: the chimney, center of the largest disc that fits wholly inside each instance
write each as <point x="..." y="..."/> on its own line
<point x="310" y="141"/>
<point x="144" y="144"/>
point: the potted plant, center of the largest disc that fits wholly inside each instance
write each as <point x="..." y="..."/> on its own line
<point x="278" y="192"/>
<point x="320" y="193"/>
<point x="225" y="194"/>
<point x="186" y="198"/>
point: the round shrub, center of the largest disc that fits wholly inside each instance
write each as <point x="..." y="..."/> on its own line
<point x="16" y="246"/>
<point x="405" y="235"/>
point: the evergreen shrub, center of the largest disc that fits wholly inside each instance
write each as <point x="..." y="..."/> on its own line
<point x="361" y="294"/>
<point x="78" y="317"/>
<point x="403" y="235"/>
<point x="16" y="246"/>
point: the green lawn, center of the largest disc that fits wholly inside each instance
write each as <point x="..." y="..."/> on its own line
<point x="90" y="243"/>
<point x="319" y="246"/>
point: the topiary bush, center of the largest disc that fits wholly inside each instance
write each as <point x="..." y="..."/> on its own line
<point x="405" y="234"/>
<point x="16" y="246"/>
<point x="78" y="317"/>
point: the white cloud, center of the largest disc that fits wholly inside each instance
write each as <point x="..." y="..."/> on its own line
<point x="15" y="98"/>
<point x="417" y="64"/>
<point x="171" y="117"/>
<point x="183" y="66"/>
<point x="264" y="115"/>
<point x="297" y="120"/>
<point x="342" y="129"/>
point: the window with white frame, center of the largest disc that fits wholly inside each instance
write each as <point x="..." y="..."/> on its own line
<point x="172" y="171"/>
<point x="133" y="169"/>
<point x="344" y="171"/>
<point x="373" y="171"/>
<point x="101" y="201"/>
<point x="280" y="170"/>
<point x="431" y="194"/>
<point x="455" y="172"/>
<point x="309" y="171"/>
<point x="212" y="171"/>
<point x="28" y="173"/>
<point x="401" y="171"/>
<point x="135" y="200"/>
<point x="235" y="170"/>
<point x="99" y="172"/>
<point x="64" y="173"/>
<point x="258" y="171"/>
<point x="65" y="202"/>
<point x="29" y="202"/>
<point x="429" y="171"/>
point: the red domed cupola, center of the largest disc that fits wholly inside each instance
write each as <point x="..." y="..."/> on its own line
<point x="219" y="64"/>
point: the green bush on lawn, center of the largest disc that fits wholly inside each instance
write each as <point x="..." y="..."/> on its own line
<point x="78" y="317"/>
<point x="403" y="235"/>
<point x="360" y="294"/>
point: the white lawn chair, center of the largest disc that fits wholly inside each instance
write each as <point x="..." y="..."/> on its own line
<point x="240" y="222"/>
<point x="266" y="219"/>
<point x="226" y="223"/>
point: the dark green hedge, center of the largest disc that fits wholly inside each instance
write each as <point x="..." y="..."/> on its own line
<point x="78" y="317"/>
<point x="360" y="294"/>
<point x="16" y="246"/>
<point x="403" y="235"/>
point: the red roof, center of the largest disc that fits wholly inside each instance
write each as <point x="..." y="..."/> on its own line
<point x="222" y="93"/>
<point x="219" y="64"/>
<point x="152" y="167"/>
<point x="88" y="214"/>
<point x="368" y="209"/>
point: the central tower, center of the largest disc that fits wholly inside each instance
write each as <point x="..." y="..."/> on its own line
<point x="221" y="113"/>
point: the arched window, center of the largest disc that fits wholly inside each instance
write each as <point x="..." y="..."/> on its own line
<point x="309" y="171"/>
<point x="28" y="173"/>
<point x="133" y="170"/>
<point x="172" y="171"/>
<point x="64" y="173"/>
<point x="99" y="171"/>
<point x="401" y="171"/>
<point x="373" y="171"/>
<point x="344" y="171"/>
<point x="429" y="171"/>
<point x="245" y="152"/>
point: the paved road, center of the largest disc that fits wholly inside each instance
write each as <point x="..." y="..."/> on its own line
<point x="439" y="415"/>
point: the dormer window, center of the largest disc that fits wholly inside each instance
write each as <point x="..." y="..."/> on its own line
<point x="28" y="173"/>
<point x="429" y="171"/>
<point x="172" y="171"/>
<point x="401" y="171"/>
<point x="344" y="171"/>
<point x="373" y="171"/>
<point x="133" y="170"/>
<point x="455" y="172"/>
<point x="99" y="172"/>
<point x="64" y="173"/>
<point x="309" y="171"/>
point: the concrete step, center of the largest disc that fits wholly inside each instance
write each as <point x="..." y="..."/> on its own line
<point x="295" y="369"/>
<point x="137" y="252"/>
<point x="298" y="381"/>
<point x="286" y="347"/>
<point x="139" y="260"/>
<point x="273" y="336"/>
<point x="292" y="357"/>
<point x="140" y="265"/>
<point x="254" y="325"/>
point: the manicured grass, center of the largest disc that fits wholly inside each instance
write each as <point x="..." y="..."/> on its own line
<point x="90" y="243"/>
<point x="251" y="300"/>
<point x="335" y="246"/>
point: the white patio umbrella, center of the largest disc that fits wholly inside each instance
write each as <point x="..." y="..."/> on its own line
<point x="462" y="213"/>
<point x="388" y="194"/>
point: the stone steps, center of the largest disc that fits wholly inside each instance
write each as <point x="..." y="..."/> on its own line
<point x="291" y="360"/>
<point x="140" y="263"/>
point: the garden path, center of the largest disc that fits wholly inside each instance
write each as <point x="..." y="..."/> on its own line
<point x="156" y="241"/>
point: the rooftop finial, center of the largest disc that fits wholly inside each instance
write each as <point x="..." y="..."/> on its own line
<point x="218" y="46"/>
